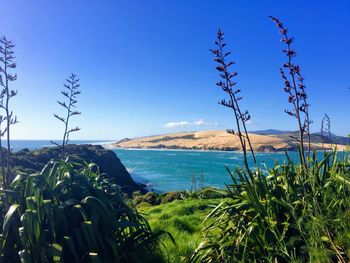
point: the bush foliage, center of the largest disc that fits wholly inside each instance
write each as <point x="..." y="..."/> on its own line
<point x="286" y="215"/>
<point x="70" y="212"/>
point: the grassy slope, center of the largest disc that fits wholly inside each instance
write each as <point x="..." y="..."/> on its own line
<point x="184" y="220"/>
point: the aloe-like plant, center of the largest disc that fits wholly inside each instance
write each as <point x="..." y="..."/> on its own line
<point x="286" y="216"/>
<point x="69" y="212"/>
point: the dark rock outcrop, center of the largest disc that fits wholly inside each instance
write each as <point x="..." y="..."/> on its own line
<point x="265" y="148"/>
<point x="107" y="160"/>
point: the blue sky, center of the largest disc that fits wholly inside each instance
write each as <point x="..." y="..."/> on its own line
<point x="145" y="67"/>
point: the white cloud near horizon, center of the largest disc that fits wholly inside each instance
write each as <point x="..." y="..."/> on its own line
<point x="176" y="124"/>
<point x="199" y="122"/>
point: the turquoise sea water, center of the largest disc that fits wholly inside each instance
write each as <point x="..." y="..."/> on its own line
<point x="171" y="170"/>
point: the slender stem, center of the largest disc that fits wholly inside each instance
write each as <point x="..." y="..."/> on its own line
<point x="240" y="136"/>
<point x="238" y="115"/>
<point x="65" y="135"/>
<point x="8" y="118"/>
<point x="297" y="106"/>
<point x="246" y="133"/>
<point x="308" y="122"/>
<point x="2" y="162"/>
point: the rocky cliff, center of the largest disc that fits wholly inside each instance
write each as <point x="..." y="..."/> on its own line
<point x="107" y="160"/>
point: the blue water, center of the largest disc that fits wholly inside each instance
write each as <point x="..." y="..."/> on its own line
<point x="171" y="170"/>
<point x="17" y="145"/>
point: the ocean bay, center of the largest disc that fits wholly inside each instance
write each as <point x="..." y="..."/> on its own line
<point x="172" y="170"/>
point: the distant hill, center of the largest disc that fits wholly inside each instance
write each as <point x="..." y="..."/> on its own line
<point x="221" y="140"/>
<point x="318" y="138"/>
<point x="270" y="132"/>
<point x="315" y="137"/>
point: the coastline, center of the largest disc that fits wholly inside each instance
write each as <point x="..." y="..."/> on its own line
<point x="204" y="150"/>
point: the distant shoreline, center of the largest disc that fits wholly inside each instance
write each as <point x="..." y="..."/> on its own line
<point x="215" y="140"/>
<point x="170" y="149"/>
<point x="199" y="150"/>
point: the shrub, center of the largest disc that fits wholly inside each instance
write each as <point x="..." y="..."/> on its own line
<point x="286" y="215"/>
<point x="71" y="213"/>
<point x="150" y="198"/>
<point x="290" y="213"/>
<point x="212" y="193"/>
<point x="136" y="194"/>
<point x="156" y="199"/>
<point x="171" y="196"/>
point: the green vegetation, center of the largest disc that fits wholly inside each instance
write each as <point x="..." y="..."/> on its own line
<point x="181" y="214"/>
<point x="284" y="215"/>
<point x="290" y="213"/>
<point x="7" y="64"/>
<point x="152" y="198"/>
<point x="183" y="220"/>
<point x="70" y="94"/>
<point x="26" y="161"/>
<point x="70" y="212"/>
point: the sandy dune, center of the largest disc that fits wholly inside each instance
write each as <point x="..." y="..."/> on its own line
<point x="211" y="140"/>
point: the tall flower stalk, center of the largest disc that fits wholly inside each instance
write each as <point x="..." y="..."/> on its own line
<point x="295" y="88"/>
<point x="326" y="130"/>
<point x="72" y="90"/>
<point x="6" y="77"/>
<point x="228" y="85"/>
<point x="2" y="157"/>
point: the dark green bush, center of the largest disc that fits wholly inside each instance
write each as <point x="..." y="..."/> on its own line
<point x="71" y="213"/>
<point x="168" y="197"/>
<point x="287" y="215"/>
<point x="212" y="193"/>
<point x="171" y="196"/>
<point x="150" y="198"/>
<point x="153" y="198"/>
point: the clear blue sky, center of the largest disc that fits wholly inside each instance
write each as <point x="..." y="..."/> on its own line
<point x="145" y="67"/>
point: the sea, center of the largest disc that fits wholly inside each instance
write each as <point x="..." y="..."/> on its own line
<point x="173" y="170"/>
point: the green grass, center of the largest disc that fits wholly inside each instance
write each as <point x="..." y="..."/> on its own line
<point x="183" y="219"/>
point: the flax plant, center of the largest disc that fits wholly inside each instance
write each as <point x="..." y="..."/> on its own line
<point x="326" y="130"/>
<point x="2" y="157"/>
<point x="228" y="84"/>
<point x="6" y="94"/>
<point x="295" y="88"/>
<point x="70" y="212"/>
<point x="72" y="90"/>
<point x="287" y="213"/>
